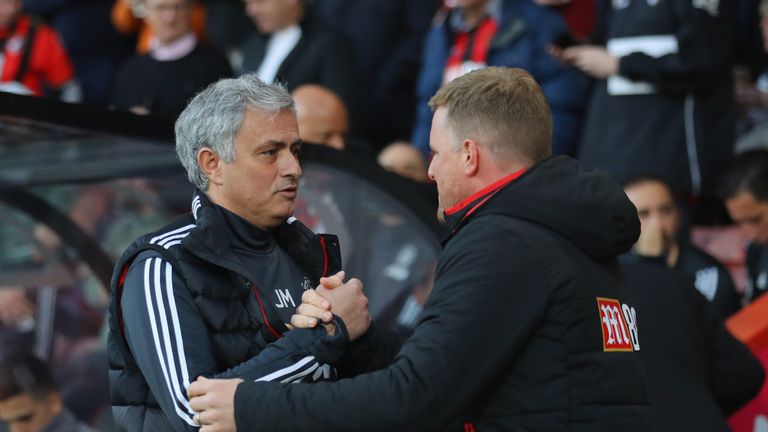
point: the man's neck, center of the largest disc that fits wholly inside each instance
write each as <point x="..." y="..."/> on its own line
<point x="494" y="172"/>
<point x="673" y="255"/>
<point x="473" y="15"/>
<point x="296" y="20"/>
<point x="174" y="49"/>
<point x="8" y="25"/>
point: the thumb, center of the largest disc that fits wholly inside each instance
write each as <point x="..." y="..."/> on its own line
<point x="333" y="281"/>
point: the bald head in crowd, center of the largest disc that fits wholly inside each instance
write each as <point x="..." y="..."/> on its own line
<point x="403" y="159"/>
<point x="322" y="116"/>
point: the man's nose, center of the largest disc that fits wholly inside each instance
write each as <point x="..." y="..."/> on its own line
<point x="291" y="167"/>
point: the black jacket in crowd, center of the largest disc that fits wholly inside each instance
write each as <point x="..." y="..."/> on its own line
<point x="322" y="56"/>
<point x="209" y="295"/>
<point x="683" y="130"/>
<point x="711" y="278"/>
<point x="165" y="87"/>
<point x="528" y="327"/>
<point x="697" y="372"/>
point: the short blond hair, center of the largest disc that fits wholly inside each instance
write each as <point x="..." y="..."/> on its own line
<point x="503" y="108"/>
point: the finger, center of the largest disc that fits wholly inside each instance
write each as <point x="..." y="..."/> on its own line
<point x="554" y="50"/>
<point x="312" y="311"/>
<point x="356" y="284"/>
<point x="198" y="403"/>
<point x="290" y="327"/>
<point x="198" y="388"/>
<point x="313" y="298"/>
<point x="573" y="53"/>
<point x="333" y="281"/>
<point x="301" y="321"/>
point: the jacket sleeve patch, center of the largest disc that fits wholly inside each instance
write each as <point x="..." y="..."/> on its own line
<point x="618" y="323"/>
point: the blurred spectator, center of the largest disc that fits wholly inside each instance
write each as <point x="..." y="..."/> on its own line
<point x="388" y="37"/>
<point x="405" y="160"/>
<point x="663" y="104"/>
<point x="30" y="400"/>
<point x="95" y="53"/>
<point x="513" y="33"/>
<point x="753" y="97"/>
<point x="293" y="47"/>
<point x="34" y="61"/>
<point x="321" y="115"/>
<point x="227" y="27"/>
<point x="176" y="67"/>
<point x="750" y="44"/>
<point x="661" y="237"/>
<point x="745" y="190"/>
<point x="579" y="14"/>
<point x="128" y="18"/>
<point x="697" y="373"/>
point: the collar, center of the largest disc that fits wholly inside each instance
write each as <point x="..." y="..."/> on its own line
<point x="175" y="50"/>
<point x="456" y="20"/>
<point x="242" y="234"/>
<point x="457" y="214"/>
<point x="211" y="241"/>
<point x="221" y="229"/>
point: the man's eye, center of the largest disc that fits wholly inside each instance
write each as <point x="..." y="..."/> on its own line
<point x="24" y="418"/>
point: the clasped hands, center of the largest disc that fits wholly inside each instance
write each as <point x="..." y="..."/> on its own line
<point x="213" y="399"/>
<point x="334" y="296"/>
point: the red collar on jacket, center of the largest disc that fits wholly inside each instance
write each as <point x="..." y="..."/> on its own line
<point x="470" y="204"/>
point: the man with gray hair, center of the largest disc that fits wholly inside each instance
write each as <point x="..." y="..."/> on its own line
<point x="209" y="294"/>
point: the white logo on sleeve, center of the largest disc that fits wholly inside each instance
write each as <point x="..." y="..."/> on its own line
<point x="706" y="282"/>
<point x="709" y="6"/>
<point x="762" y="281"/>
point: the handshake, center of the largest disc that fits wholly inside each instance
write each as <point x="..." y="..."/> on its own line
<point x="334" y="296"/>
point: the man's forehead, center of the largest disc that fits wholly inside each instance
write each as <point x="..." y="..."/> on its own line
<point x="12" y="406"/>
<point x="265" y="123"/>
<point x="649" y="190"/>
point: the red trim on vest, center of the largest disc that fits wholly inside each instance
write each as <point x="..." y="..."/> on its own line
<point x="263" y="312"/>
<point x="325" y="256"/>
<point x="482" y="192"/>
<point x="469" y="427"/>
<point x="119" y="294"/>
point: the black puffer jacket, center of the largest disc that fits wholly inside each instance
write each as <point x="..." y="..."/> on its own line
<point x="693" y="364"/>
<point x="528" y="327"/>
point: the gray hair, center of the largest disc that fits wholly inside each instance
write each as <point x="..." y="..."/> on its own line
<point x="213" y="118"/>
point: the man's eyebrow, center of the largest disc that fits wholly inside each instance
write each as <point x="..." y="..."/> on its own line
<point x="269" y="145"/>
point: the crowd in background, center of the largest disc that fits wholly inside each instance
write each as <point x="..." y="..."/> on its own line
<point x="636" y="87"/>
<point x="662" y="94"/>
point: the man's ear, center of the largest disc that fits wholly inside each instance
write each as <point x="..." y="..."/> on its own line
<point x="471" y="157"/>
<point x="210" y="163"/>
<point x="55" y="402"/>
